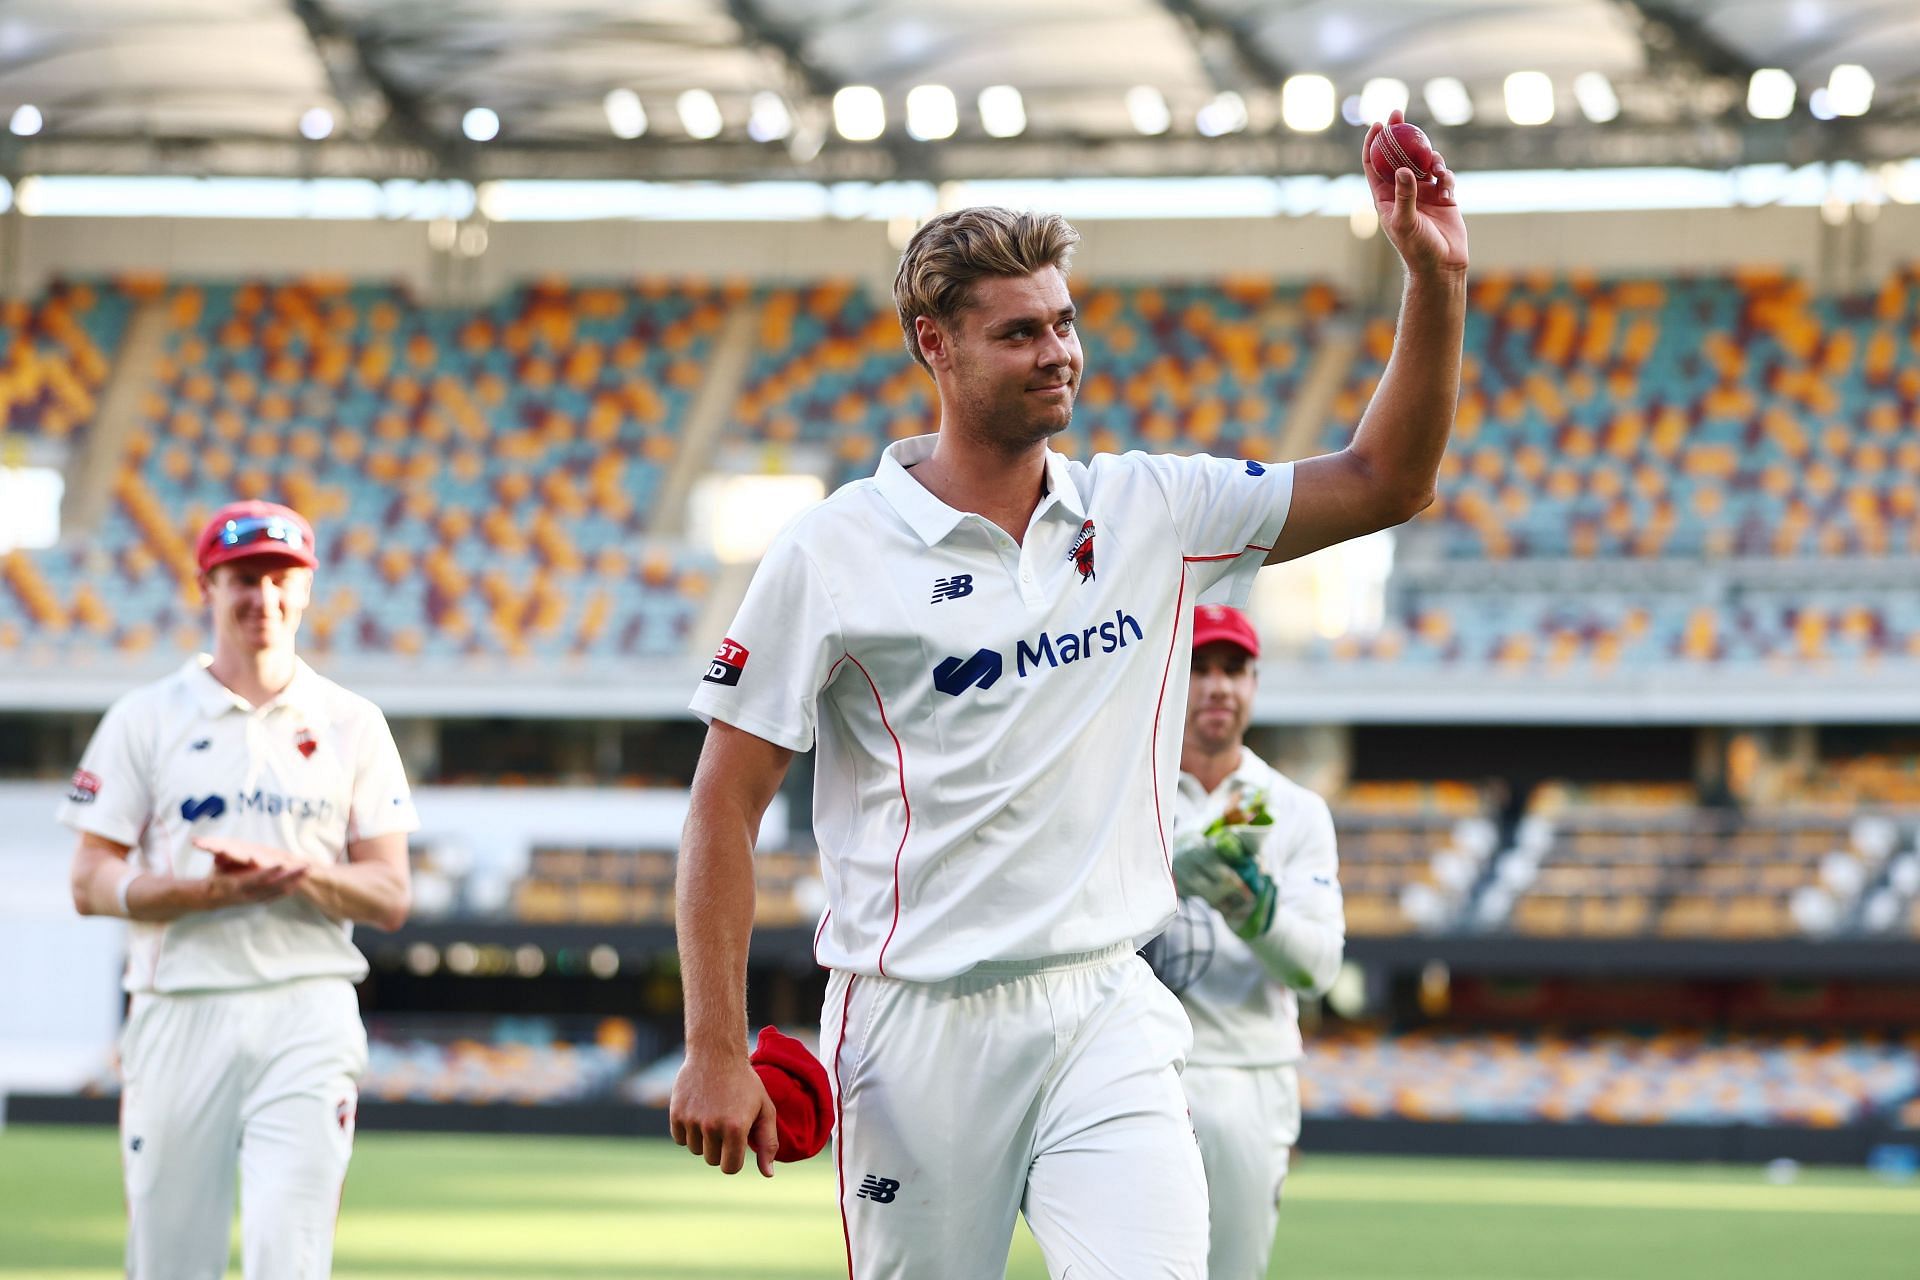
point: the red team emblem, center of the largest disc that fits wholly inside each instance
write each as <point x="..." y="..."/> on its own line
<point x="303" y="742"/>
<point x="727" y="664"/>
<point x="1081" y="552"/>
<point x="343" y="1114"/>
<point x="85" y="788"/>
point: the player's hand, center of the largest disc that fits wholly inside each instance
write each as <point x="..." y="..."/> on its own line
<point x="236" y="884"/>
<point x="1223" y="872"/>
<point x="1199" y="871"/>
<point x="720" y="1110"/>
<point x="231" y="855"/>
<point x="1430" y="236"/>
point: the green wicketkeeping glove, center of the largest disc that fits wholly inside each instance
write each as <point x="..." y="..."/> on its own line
<point x="1221" y="870"/>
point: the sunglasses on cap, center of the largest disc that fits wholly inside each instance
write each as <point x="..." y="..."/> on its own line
<point x="260" y="529"/>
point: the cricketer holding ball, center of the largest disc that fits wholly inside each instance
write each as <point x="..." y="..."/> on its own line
<point x="1261" y="919"/>
<point x="241" y="813"/>
<point x="986" y="644"/>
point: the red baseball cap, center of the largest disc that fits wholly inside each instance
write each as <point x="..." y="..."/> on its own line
<point x="241" y="530"/>
<point x="1216" y="622"/>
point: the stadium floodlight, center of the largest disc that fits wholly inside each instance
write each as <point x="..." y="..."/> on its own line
<point x="1381" y="96"/>
<point x="1529" y="97"/>
<point x="1594" y="92"/>
<point x="1820" y="104"/>
<point x="699" y="114"/>
<point x="1850" y="89"/>
<point x="625" y="114"/>
<point x="1003" y="112"/>
<point x="1770" y="94"/>
<point x="480" y="124"/>
<point x="1226" y="113"/>
<point x="26" y="121"/>
<point x="1307" y="103"/>
<point x="603" y="960"/>
<point x="1448" y="100"/>
<point x="859" y="113"/>
<point x="1901" y="181"/>
<point x="932" y="113"/>
<point x="1147" y="108"/>
<point x="316" y="123"/>
<point x="769" y="120"/>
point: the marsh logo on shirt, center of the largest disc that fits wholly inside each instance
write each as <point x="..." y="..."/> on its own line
<point x="954" y="676"/>
<point x="270" y="803"/>
<point x="85" y="788"/>
<point x="727" y="664"/>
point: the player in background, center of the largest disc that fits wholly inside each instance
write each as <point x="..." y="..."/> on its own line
<point x="973" y="639"/>
<point x="241" y="813"/>
<point x="1260" y="919"/>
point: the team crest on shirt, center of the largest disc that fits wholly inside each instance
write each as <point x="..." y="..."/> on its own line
<point x="727" y="664"/>
<point x="1081" y="552"/>
<point x="343" y="1115"/>
<point x="85" y="788"/>
<point x="304" y="742"/>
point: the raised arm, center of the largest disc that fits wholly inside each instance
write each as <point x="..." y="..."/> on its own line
<point x="1386" y="475"/>
<point x="719" y="1108"/>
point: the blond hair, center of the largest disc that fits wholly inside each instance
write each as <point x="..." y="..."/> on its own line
<point x="952" y="250"/>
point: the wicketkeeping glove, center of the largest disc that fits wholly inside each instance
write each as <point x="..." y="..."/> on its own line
<point x="1222" y="870"/>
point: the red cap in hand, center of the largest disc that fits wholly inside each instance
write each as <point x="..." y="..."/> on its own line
<point x="802" y="1095"/>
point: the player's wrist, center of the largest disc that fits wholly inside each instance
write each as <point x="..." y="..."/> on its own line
<point x="706" y="1049"/>
<point x="123" y="884"/>
<point x="1438" y="274"/>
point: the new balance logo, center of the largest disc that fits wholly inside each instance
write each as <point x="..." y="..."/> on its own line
<point x="878" y="1190"/>
<point x="955" y="676"/>
<point x="960" y="584"/>
<point x="201" y="744"/>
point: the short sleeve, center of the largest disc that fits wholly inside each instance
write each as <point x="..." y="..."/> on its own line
<point x="769" y="672"/>
<point x="1227" y="512"/>
<point x="382" y="799"/>
<point x="111" y="795"/>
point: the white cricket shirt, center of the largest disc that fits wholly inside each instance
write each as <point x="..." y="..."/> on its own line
<point x="1242" y="1015"/>
<point x="184" y="758"/>
<point x="998" y="723"/>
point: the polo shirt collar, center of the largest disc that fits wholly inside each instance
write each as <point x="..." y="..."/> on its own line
<point x="931" y="519"/>
<point x="214" y="698"/>
<point x="1246" y="770"/>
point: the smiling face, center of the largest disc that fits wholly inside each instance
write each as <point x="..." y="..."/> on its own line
<point x="1008" y="364"/>
<point x="1220" y="697"/>
<point x="256" y="603"/>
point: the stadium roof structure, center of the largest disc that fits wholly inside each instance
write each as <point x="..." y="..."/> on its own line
<point x="383" y="89"/>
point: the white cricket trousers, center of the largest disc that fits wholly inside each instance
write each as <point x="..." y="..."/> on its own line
<point x="260" y="1082"/>
<point x="1050" y="1088"/>
<point x="1247" y="1120"/>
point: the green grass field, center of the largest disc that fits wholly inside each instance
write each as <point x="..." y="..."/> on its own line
<point x="491" y="1208"/>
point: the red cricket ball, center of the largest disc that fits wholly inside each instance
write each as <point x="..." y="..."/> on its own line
<point x="1404" y="146"/>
